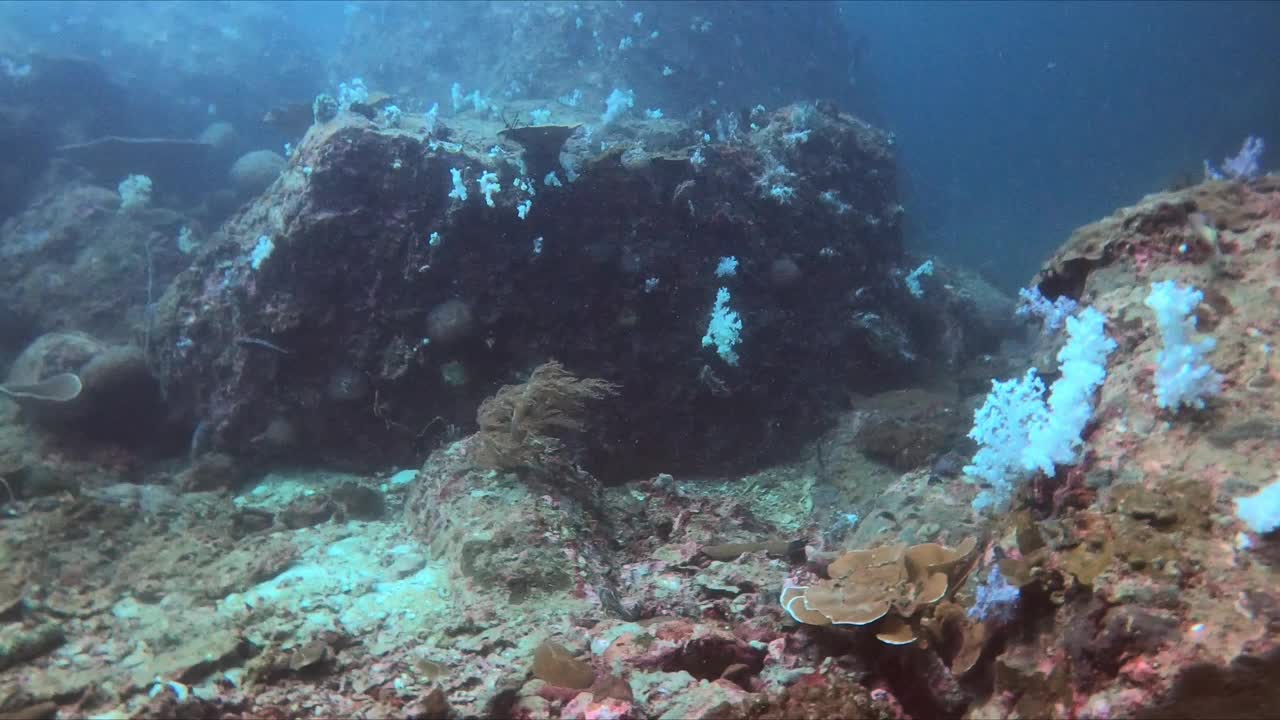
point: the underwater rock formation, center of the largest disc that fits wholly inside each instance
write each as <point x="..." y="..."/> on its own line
<point x="1150" y="597"/>
<point x="342" y="266"/>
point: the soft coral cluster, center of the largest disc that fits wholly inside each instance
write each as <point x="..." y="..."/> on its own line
<point x="1020" y="432"/>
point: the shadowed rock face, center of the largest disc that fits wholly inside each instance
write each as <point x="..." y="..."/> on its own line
<point x="613" y="275"/>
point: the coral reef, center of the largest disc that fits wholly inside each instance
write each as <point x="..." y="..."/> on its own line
<point x="420" y="432"/>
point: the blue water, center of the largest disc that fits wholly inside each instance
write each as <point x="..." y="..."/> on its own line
<point x="1021" y="121"/>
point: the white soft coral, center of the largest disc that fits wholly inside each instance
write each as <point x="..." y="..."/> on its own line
<point x="1020" y="433"/>
<point x="1182" y="375"/>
